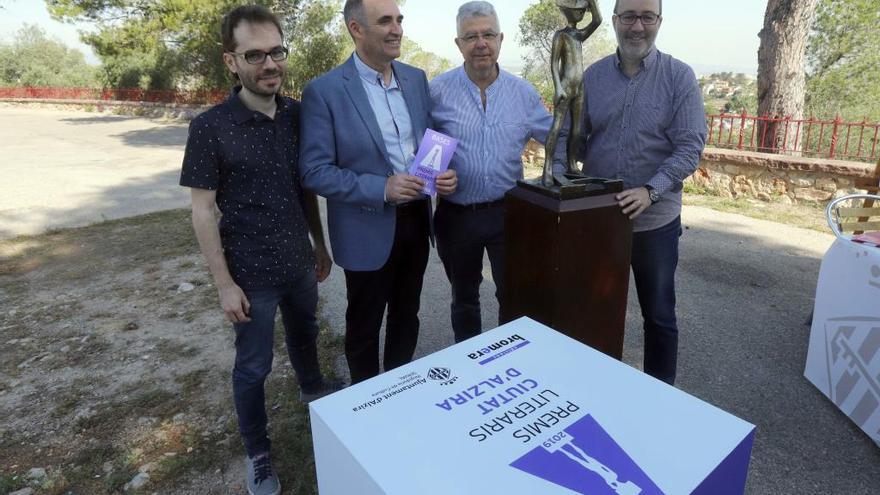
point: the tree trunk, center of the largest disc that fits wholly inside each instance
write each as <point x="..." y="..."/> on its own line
<point x="782" y="71"/>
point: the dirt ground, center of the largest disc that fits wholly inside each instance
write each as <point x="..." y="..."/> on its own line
<point x="116" y="360"/>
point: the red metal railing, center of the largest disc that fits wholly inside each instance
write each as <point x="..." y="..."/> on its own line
<point x="833" y="139"/>
<point x="152" y="96"/>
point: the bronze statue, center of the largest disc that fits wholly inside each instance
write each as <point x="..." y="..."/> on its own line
<point x="567" y="67"/>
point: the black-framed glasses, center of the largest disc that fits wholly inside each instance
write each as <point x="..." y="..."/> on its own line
<point x="256" y="57"/>
<point x="648" y="18"/>
<point x="472" y="38"/>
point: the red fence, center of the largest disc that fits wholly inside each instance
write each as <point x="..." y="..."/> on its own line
<point x="152" y="96"/>
<point x="833" y="139"/>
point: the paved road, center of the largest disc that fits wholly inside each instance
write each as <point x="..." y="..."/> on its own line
<point x="67" y="169"/>
<point x="745" y="289"/>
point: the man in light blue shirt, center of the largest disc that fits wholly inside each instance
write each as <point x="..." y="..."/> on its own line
<point x="360" y="124"/>
<point x="644" y="123"/>
<point x="493" y="114"/>
<point x="392" y="115"/>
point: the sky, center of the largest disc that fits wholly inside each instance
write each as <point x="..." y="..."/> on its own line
<point x="710" y="35"/>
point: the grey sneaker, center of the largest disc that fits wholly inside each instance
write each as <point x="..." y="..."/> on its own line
<point x="261" y="479"/>
<point x="327" y="387"/>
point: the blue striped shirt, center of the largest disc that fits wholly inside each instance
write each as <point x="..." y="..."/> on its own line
<point x="488" y="159"/>
<point x="646" y="130"/>
<point x="392" y="115"/>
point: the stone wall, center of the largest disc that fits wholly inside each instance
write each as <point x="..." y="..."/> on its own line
<point x="787" y="179"/>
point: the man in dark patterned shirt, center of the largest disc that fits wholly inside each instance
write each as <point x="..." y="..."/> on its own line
<point x="242" y="157"/>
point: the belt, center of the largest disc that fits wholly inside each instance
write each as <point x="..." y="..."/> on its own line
<point x="411" y="206"/>
<point x="472" y="206"/>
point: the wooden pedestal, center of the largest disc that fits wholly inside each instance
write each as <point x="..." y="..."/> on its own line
<point x="567" y="265"/>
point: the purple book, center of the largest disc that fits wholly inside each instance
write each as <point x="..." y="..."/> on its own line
<point x="433" y="158"/>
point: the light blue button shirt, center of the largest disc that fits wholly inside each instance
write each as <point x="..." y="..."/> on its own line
<point x="488" y="159"/>
<point x="392" y="115"/>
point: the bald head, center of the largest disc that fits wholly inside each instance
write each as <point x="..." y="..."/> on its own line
<point x="617" y="6"/>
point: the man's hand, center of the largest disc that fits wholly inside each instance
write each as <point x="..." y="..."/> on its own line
<point x="634" y="201"/>
<point x="403" y="187"/>
<point x="446" y="183"/>
<point x="323" y="263"/>
<point x="234" y="303"/>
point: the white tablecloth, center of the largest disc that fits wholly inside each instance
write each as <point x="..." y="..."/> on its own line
<point x="843" y="360"/>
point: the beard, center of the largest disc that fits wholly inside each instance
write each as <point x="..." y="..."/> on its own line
<point x="634" y="52"/>
<point x="257" y="83"/>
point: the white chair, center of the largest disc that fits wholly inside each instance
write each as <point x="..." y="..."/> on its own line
<point x="855" y="214"/>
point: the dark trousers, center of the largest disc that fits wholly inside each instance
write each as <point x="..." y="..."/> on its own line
<point x="463" y="233"/>
<point x="654" y="260"/>
<point x="254" y="340"/>
<point x="397" y="285"/>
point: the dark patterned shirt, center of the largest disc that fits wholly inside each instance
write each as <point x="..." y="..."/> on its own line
<point x="251" y="161"/>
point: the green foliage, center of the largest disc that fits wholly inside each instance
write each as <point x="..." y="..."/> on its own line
<point x="410" y="53"/>
<point x="173" y="44"/>
<point x="539" y="75"/>
<point x="843" y="55"/>
<point x="431" y="63"/>
<point x="729" y="93"/>
<point x="33" y="59"/>
<point x="536" y="28"/>
<point x="317" y="39"/>
<point x="9" y="484"/>
<point x="169" y="44"/>
<point x="746" y="101"/>
<point x="148" y="66"/>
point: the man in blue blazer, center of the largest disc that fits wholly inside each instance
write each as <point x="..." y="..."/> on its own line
<point x="361" y="124"/>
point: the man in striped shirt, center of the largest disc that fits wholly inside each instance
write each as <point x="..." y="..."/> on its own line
<point x="493" y="114"/>
<point x="644" y="123"/>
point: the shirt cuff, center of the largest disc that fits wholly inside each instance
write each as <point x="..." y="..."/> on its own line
<point x="661" y="183"/>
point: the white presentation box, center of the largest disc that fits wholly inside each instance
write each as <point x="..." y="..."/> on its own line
<point x="523" y="409"/>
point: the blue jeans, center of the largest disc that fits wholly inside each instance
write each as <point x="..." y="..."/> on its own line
<point x="654" y="260"/>
<point x="298" y="302"/>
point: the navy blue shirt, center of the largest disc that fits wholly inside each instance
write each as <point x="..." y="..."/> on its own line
<point x="251" y="161"/>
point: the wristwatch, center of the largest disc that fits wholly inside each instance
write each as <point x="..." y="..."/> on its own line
<point x="653" y="194"/>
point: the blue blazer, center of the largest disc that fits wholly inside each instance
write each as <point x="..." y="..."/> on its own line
<point x="343" y="158"/>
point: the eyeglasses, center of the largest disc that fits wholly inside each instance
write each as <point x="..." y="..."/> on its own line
<point x="648" y="18"/>
<point x="257" y="57"/>
<point x="472" y="38"/>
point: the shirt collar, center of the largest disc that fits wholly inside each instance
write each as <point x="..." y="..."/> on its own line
<point x="372" y="76"/>
<point x="497" y="83"/>
<point x="241" y="113"/>
<point x="646" y="62"/>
